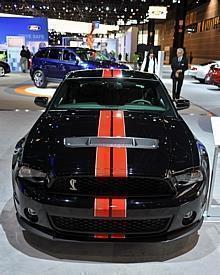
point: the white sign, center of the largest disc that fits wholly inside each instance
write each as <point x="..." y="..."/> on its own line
<point x="157" y="12"/>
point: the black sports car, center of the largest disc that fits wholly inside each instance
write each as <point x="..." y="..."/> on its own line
<point x="4" y="68"/>
<point x="110" y="159"/>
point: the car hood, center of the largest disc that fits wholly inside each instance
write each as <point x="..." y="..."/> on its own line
<point x="45" y="149"/>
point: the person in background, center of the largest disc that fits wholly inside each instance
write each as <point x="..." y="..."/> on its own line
<point x="126" y="57"/>
<point x="112" y="56"/>
<point x="140" y="61"/>
<point x="150" y="64"/>
<point x="120" y="57"/>
<point x="179" y="65"/>
<point x="23" y="60"/>
<point x="28" y="55"/>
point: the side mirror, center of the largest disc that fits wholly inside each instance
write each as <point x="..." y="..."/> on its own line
<point x="41" y="101"/>
<point x="182" y="104"/>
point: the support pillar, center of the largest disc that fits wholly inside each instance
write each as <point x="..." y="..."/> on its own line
<point x="151" y="32"/>
<point x="181" y="10"/>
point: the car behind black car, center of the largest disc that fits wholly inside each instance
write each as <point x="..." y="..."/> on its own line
<point x="52" y="64"/>
<point x="110" y="159"/>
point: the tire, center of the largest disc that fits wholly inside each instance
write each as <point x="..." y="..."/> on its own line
<point x="2" y="71"/>
<point x="39" y="79"/>
<point x="202" y="81"/>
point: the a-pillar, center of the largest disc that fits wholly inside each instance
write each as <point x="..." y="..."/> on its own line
<point x="151" y="32"/>
<point x="178" y="40"/>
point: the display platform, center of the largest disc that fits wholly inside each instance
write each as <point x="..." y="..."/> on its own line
<point x="34" y="91"/>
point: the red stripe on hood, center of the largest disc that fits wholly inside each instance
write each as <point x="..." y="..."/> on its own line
<point x="102" y="166"/>
<point x="119" y="208"/>
<point x="101" y="207"/>
<point x="111" y="207"/>
<point x="119" y="154"/>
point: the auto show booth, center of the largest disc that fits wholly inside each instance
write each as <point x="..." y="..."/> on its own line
<point x="31" y="32"/>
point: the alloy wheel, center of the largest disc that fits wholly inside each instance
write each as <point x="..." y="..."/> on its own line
<point x="38" y="78"/>
<point x="2" y="71"/>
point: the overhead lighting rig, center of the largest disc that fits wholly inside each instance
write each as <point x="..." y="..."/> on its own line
<point x="107" y="11"/>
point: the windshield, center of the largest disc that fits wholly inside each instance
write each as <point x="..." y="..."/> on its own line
<point x="100" y="56"/>
<point x="86" y="55"/>
<point x="121" y="94"/>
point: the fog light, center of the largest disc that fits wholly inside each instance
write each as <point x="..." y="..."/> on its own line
<point x="188" y="215"/>
<point x="31" y="214"/>
<point x="189" y="218"/>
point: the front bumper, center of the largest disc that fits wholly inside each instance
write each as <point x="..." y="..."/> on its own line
<point x="72" y="218"/>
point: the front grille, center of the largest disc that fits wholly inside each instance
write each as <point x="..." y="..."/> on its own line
<point x="94" y="186"/>
<point x="148" y="226"/>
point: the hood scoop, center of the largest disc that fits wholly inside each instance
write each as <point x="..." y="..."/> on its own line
<point x="120" y="142"/>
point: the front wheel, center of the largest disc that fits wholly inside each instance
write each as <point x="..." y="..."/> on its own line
<point x="2" y="71"/>
<point x="39" y="79"/>
<point x="202" y="81"/>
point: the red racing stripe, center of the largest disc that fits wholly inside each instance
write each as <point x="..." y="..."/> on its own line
<point x="101" y="207"/>
<point x="101" y="236"/>
<point x="119" y="205"/>
<point x="119" y="154"/>
<point x="102" y="166"/>
<point x="117" y="236"/>
<point x="117" y="73"/>
<point x="111" y="207"/>
<point x="119" y="208"/>
<point x="106" y="73"/>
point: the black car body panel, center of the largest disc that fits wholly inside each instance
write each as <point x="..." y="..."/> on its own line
<point x="149" y="199"/>
<point x="46" y="139"/>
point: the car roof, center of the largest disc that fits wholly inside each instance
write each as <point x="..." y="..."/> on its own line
<point x="66" y="47"/>
<point x="111" y="73"/>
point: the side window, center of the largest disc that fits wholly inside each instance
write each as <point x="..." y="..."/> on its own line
<point x="69" y="56"/>
<point x="55" y="54"/>
<point x="42" y="53"/>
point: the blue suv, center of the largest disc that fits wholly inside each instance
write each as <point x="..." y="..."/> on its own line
<point x="51" y="64"/>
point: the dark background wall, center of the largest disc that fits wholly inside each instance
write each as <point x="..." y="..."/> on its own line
<point x="204" y="45"/>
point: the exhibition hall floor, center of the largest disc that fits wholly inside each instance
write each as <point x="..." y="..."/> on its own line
<point x="24" y="253"/>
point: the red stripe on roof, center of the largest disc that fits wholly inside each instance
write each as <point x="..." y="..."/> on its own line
<point x="117" y="73"/>
<point x="117" y="236"/>
<point x="101" y="236"/>
<point x="107" y="73"/>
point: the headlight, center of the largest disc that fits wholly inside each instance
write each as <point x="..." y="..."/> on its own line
<point x="189" y="177"/>
<point x="19" y="146"/>
<point x="26" y="172"/>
